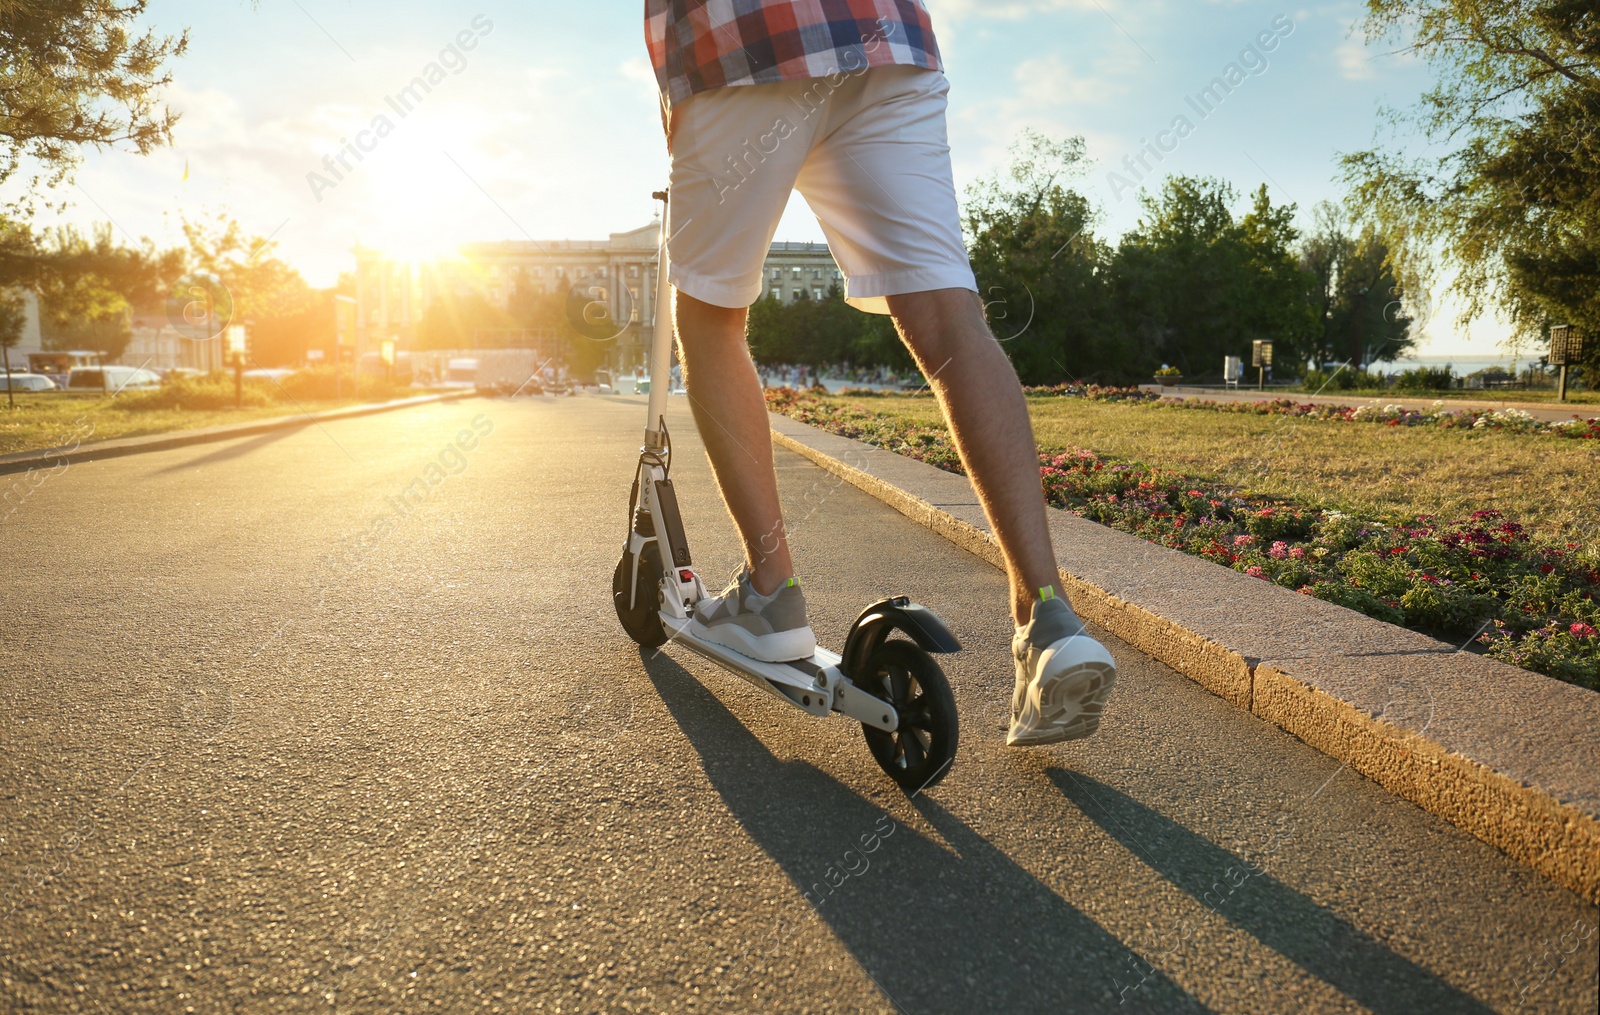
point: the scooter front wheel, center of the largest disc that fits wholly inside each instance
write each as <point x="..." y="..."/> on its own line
<point x="642" y="620"/>
<point x="921" y="750"/>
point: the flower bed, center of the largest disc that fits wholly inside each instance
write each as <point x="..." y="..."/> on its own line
<point x="1483" y="579"/>
<point x="1511" y="419"/>
<point x="1438" y="415"/>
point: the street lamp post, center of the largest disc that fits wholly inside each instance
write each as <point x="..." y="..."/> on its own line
<point x="1261" y="358"/>
<point x="236" y="345"/>
<point x="1566" y="347"/>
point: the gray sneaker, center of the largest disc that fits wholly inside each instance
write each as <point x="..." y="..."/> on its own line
<point x="1063" y="678"/>
<point x="770" y="628"/>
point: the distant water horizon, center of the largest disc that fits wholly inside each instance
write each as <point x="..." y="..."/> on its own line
<point x="1467" y="363"/>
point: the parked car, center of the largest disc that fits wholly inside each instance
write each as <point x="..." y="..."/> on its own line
<point x="461" y="372"/>
<point x="26" y="382"/>
<point x="273" y="374"/>
<point x="115" y="379"/>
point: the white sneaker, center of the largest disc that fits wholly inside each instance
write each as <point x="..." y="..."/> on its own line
<point x="770" y="628"/>
<point x="1063" y="678"/>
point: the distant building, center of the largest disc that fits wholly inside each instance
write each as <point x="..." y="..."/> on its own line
<point x="29" y="341"/>
<point x="393" y="295"/>
<point x="156" y="345"/>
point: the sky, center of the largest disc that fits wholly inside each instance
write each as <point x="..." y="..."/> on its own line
<point x="546" y="124"/>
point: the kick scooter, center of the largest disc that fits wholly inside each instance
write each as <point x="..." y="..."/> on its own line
<point x="891" y="685"/>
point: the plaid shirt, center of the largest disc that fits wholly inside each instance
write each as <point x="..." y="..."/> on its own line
<point x="698" y="45"/>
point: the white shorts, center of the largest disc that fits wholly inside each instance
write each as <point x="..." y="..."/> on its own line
<point x="867" y="151"/>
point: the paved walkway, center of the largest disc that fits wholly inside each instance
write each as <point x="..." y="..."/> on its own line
<point x="339" y="719"/>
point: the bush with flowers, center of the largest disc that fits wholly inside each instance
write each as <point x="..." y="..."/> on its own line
<point x="1480" y="581"/>
<point x="1509" y="420"/>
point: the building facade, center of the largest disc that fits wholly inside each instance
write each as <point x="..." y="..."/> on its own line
<point x="617" y="273"/>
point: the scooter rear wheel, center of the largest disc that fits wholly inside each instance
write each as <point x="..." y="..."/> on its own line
<point x="642" y="620"/>
<point x="920" y="752"/>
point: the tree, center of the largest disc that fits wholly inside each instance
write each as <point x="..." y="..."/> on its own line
<point x="1039" y="266"/>
<point x="456" y="321"/>
<point x="1513" y="207"/>
<point x="816" y="332"/>
<point x="1352" y="294"/>
<point x="89" y="284"/>
<point x="262" y="286"/>
<point x="77" y="74"/>
<point x="1193" y="285"/>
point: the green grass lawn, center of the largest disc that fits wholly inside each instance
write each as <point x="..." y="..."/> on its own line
<point x="52" y="420"/>
<point x="1547" y="483"/>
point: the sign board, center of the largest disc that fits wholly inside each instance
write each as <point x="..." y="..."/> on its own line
<point x="1260" y="354"/>
<point x="1566" y="345"/>
<point x="1232" y="368"/>
<point x="314" y="355"/>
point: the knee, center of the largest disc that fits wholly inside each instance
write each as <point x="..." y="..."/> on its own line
<point x="940" y="323"/>
<point x="702" y="325"/>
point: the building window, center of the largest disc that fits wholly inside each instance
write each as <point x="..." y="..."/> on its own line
<point x="538" y="273"/>
<point x="816" y="272"/>
<point x="798" y="292"/>
<point x="776" y="293"/>
<point x="633" y="271"/>
<point x="836" y="275"/>
<point x="777" y="272"/>
<point x="816" y="292"/>
<point x="797" y="272"/>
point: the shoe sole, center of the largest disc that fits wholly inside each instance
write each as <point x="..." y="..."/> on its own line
<point x="1068" y="703"/>
<point x="780" y="647"/>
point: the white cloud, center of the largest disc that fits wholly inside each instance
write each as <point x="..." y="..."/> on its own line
<point x="1355" y="61"/>
<point x="966" y="10"/>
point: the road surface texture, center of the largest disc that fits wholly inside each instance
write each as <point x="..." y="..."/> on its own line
<point x="340" y="719"/>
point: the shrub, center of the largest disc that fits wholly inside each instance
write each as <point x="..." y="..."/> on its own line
<point x="319" y="384"/>
<point x="1426" y="379"/>
<point x="212" y="391"/>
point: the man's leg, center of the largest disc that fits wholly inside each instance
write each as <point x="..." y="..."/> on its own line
<point x="988" y="416"/>
<point x="731" y="414"/>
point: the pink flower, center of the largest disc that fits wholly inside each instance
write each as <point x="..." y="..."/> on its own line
<point x="1298" y="552"/>
<point x="1279" y="550"/>
<point x="1241" y="540"/>
<point x="1255" y="571"/>
<point x="1582" y="630"/>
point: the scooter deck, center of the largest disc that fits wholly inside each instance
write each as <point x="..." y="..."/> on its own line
<point x="816" y="685"/>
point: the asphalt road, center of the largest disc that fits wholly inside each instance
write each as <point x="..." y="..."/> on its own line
<point x="278" y="735"/>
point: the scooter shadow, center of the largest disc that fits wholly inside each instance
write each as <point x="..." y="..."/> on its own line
<point x="953" y="926"/>
<point x="1296" y="927"/>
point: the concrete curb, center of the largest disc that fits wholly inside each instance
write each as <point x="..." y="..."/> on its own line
<point x="24" y="461"/>
<point x="1507" y="755"/>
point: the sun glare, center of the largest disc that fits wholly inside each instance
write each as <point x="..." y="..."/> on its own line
<point x="413" y="195"/>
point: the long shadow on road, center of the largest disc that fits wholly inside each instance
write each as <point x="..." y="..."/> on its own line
<point x="951" y="926"/>
<point x="1317" y="940"/>
<point x="233" y="449"/>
